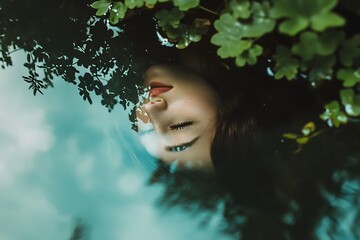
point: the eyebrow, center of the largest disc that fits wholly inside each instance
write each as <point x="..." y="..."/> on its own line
<point x="183" y="146"/>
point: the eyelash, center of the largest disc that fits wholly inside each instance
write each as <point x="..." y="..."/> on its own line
<point x="181" y="125"/>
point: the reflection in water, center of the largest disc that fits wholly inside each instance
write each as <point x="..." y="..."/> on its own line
<point x="56" y="165"/>
<point x="177" y="123"/>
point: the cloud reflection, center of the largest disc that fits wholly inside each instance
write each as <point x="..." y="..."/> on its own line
<point x="60" y="162"/>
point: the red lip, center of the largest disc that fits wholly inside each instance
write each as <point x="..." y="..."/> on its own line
<point x="157" y="88"/>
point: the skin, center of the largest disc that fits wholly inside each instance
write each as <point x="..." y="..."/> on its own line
<point x="177" y="126"/>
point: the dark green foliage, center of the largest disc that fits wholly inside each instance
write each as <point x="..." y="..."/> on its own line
<point x="321" y="42"/>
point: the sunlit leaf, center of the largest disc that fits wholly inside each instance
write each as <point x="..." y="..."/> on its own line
<point x="302" y="140"/>
<point x="290" y="135"/>
<point x="308" y="128"/>
<point x="117" y="12"/>
<point x="102" y="7"/>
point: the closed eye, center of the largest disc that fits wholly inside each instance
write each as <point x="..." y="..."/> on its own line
<point x="181" y="125"/>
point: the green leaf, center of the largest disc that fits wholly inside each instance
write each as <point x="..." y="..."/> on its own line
<point x="321" y="44"/>
<point x="117" y="12"/>
<point x="293" y="26"/>
<point x="350" y="77"/>
<point x="169" y="18"/>
<point x="320" y="68"/>
<point x="347" y="96"/>
<point x="308" y="128"/>
<point x="325" y="20"/>
<point x="350" y="102"/>
<point x="333" y="115"/>
<point x="102" y="7"/>
<point x="350" y="50"/>
<point x="290" y="135"/>
<point x="150" y="2"/>
<point x="298" y="14"/>
<point x="134" y="3"/>
<point x="240" y="9"/>
<point x="249" y="56"/>
<point x="286" y="65"/>
<point x="229" y="35"/>
<point x="302" y="140"/>
<point x="185" y="5"/>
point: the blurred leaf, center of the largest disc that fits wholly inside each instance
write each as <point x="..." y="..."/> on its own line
<point x="333" y="115"/>
<point x="117" y="12"/>
<point x="285" y="64"/>
<point x="102" y="7"/>
<point x="350" y="50"/>
<point x="350" y="77"/>
<point x="198" y="28"/>
<point x="293" y="26"/>
<point x="350" y="102"/>
<point x="240" y="9"/>
<point x="298" y="15"/>
<point x="325" y="20"/>
<point x="171" y="17"/>
<point x="185" y="5"/>
<point x="320" y="68"/>
<point x="302" y="140"/>
<point x="308" y="128"/>
<point x="134" y="3"/>
<point x="324" y="44"/>
<point x="290" y="135"/>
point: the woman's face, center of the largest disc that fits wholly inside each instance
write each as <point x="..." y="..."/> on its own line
<point x="177" y="122"/>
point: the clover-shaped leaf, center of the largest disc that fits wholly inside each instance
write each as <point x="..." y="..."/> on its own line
<point x="240" y="9"/>
<point x="286" y="65"/>
<point x="333" y="114"/>
<point x="321" y="44"/>
<point x="102" y="7"/>
<point x="249" y="56"/>
<point x="320" y="68"/>
<point x="325" y="20"/>
<point x="171" y="18"/>
<point x="350" y="50"/>
<point x="117" y="12"/>
<point x="350" y="101"/>
<point x="298" y="15"/>
<point x="308" y="128"/>
<point x="229" y="35"/>
<point x="185" y="5"/>
<point x="198" y="28"/>
<point x="350" y="77"/>
<point x="134" y="3"/>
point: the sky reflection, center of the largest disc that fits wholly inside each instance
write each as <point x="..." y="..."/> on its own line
<point x="63" y="160"/>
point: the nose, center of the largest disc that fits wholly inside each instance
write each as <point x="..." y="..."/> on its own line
<point x="155" y="106"/>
